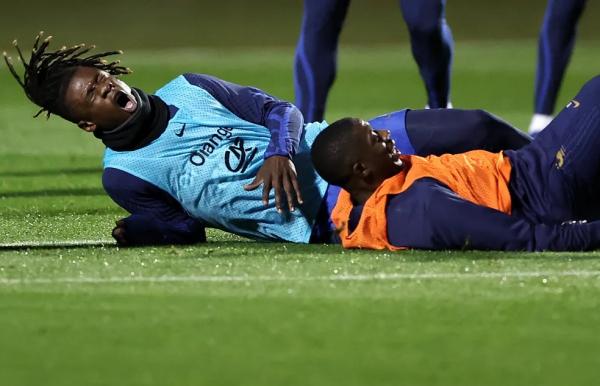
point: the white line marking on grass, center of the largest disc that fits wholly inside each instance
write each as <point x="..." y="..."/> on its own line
<point x="349" y="278"/>
<point x="56" y="244"/>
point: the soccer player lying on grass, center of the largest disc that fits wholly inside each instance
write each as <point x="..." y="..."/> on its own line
<point x="193" y="154"/>
<point x="534" y="198"/>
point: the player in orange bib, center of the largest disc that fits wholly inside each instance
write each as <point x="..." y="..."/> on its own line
<point x="534" y="198"/>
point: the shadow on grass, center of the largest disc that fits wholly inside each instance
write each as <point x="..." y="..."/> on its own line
<point x="54" y="193"/>
<point x="55" y="172"/>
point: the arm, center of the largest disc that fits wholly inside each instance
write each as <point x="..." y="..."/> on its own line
<point x="156" y="218"/>
<point x="443" y="220"/>
<point x="440" y="131"/>
<point x="283" y="120"/>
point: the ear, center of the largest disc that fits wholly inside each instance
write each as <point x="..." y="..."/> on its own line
<point x="360" y="170"/>
<point x="90" y="127"/>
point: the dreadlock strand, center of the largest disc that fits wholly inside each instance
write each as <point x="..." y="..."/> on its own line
<point x="83" y="50"/>
<point x="36" y="42"/>
<point x="12" y="70"/>
<point x="67" y="51"/>
<point x="104" y="54"/>
<point x="25" y="64"/>
<point x="40" y="113"/>
<point x="45" y="44"/>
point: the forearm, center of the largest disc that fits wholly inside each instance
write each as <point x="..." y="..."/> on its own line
<point x="285" y="123"/>
<point x="156" y="218"/>
<point x="146" y="230"/>
<point x="440" y="219"/>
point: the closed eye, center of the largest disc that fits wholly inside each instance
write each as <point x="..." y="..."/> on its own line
<point x="91" y="87"/>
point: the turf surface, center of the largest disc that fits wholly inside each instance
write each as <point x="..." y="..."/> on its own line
<point x="236" y="312"/>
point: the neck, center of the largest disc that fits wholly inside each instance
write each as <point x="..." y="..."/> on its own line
<point x="360" y="193"/>
<point x="144" y="126"/>
<point x="361" y="189"/>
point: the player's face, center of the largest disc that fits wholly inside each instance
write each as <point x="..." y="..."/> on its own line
<point x="377" y="150"/>
<point x="97" y="100"/>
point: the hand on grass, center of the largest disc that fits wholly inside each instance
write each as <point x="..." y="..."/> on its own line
<point x="119" y="233"/>
<point x="278" y="173"/>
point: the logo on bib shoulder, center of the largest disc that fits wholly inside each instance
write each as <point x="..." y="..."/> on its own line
<point x="180" y="132"/>
<point x="574" y="104"/>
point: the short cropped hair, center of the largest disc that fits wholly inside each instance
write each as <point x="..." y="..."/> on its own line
<point x="332" y="152"/>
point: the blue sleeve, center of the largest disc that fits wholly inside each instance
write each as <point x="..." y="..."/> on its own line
<point x="283" y="119"/>
<point x="440" y="219"/>
<point x="156" y="218"/>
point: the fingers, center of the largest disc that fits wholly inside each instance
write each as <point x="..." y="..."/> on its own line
<point x="297" y="189"/>
<point x="292" y="188"/>
<point x="278" y="174"/>
<point x="287" y="186"/>
<point x="277" y="186"/>
<point x="119" y="233"/>
<point x="254" y="184"/>
<point x="266" y="191"/>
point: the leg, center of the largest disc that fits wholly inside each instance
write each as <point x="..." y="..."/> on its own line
<point x="432" y="45"/>
<point x="556" y="41"/>
<point x="442" y="131"/>
<point x="556" y="177"/>
<point x="316" y="55"/>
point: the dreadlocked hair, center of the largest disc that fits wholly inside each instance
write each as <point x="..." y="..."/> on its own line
<point x="47" y="73"/>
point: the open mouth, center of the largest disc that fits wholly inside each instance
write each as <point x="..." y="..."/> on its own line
<point x="394" y="153"/>
<point x="126" y="101"/>
<point x="391" y="148"/>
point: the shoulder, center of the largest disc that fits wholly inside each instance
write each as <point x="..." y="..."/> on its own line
<point x="186" y="82"/>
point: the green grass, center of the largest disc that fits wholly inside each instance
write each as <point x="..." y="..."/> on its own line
<point x="237" y="312"/>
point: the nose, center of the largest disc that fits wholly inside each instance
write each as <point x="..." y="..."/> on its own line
<point x="106" y="87"/>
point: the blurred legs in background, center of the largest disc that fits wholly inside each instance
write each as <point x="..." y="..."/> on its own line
<point x="316" y="53"/>
<point x="556" y="41"/>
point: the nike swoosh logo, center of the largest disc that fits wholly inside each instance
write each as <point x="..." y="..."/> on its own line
<point x="180" y="132"/>
<point x="573" y="103"/>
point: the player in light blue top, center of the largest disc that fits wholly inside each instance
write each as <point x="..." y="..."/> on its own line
<point x="195" y="154"/>
<point x="207" y="154"/>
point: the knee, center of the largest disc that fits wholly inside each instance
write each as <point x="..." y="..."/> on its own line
<point x="563" y="17"/>
<point x="424" y="27"/>
<point x="323" y="14"/>
<point x="424" y="20"/>
<point x="482" y="119"/>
